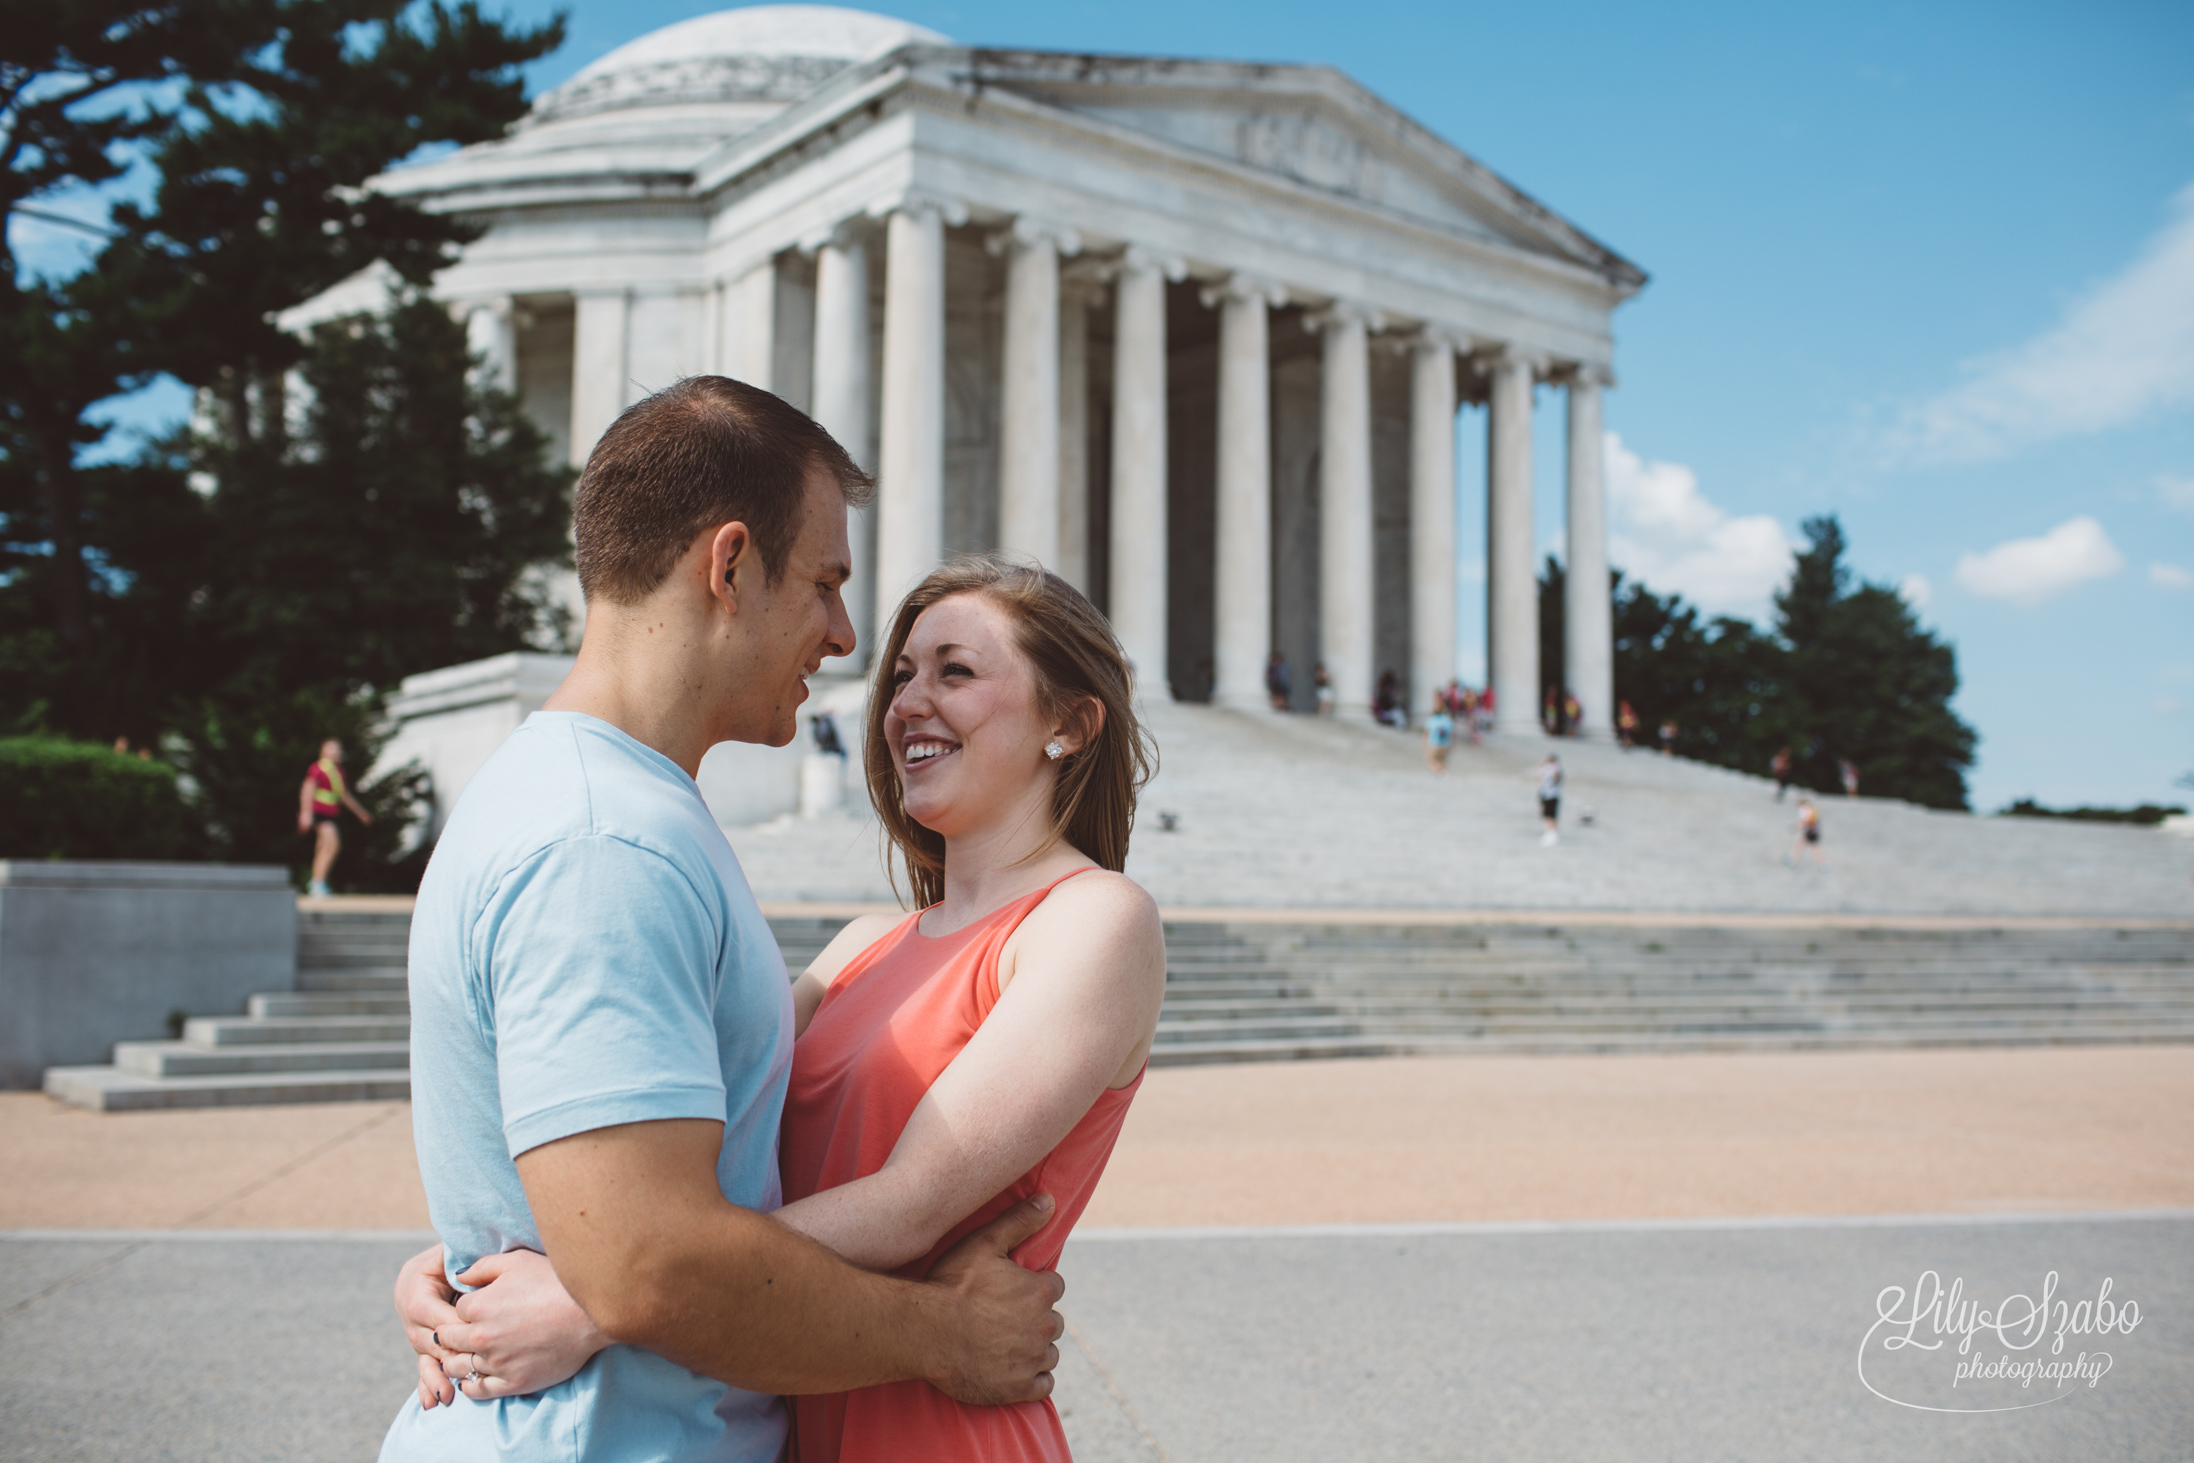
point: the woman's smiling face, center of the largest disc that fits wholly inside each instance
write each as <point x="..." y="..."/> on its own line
<point x="965" y="728"/>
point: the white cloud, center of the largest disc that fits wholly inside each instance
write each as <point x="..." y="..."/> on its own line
<point x="2167" y="705"/>
<point x="2030" y="570"/>
<point x="2123" y="349"/>
<point x="2176" y="493"/>
<point x="2170" y="576"/>
<point x="1664" y="531"/>
<point x="1916" y="591"/>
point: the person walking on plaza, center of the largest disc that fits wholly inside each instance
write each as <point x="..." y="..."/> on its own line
<point x="1550" y="800"/>
<point x="1626" y="724"/>
<point x="1779" y="764"/>
<point x="1324" y="682"/>
<point x="1278" y="684"/>
<point x="1473" y="710"/>
<point x="1439" y="735"/>
<point x="1668" y="737"/>
<point x="1573" y="715"/>
<point x="1809" y="834"/>
<point x="1848" y="771"/>
<point x="320" y="804"/>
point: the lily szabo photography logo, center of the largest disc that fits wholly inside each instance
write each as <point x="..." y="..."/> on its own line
<point x="1937" y="1348"/>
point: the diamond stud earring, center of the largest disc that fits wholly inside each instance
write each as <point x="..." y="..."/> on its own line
<point x="1054" y="751"/>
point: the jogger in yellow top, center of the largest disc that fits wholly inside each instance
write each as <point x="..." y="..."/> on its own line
<point x="320" y="802"/>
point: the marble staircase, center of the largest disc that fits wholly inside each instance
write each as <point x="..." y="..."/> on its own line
<point x="1263" y="988"/>
<point x="344" y="1035"/>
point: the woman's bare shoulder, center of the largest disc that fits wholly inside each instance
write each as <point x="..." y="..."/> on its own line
<point x="1100" y="904"/>
<point x="859" y="933"/>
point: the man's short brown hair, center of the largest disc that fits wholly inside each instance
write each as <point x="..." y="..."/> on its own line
<point x="706" y="451"/>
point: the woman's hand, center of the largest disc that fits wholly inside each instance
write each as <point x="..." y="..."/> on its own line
<point x="518" y="1331"/>
<point x="425" y="1302"/>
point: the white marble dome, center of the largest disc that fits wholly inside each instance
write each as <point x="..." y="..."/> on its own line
<point x="758" y="54"/>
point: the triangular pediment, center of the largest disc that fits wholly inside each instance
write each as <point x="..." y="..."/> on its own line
<point x="1309" y="124"/>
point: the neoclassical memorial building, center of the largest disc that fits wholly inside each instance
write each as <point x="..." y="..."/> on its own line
<point x="1192" y="333"/>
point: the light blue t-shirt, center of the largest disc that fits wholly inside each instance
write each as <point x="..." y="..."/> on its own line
<point x="585" y="952"/>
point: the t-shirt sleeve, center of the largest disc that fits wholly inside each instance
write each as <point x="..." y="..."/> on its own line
<point x="601" y="961"/>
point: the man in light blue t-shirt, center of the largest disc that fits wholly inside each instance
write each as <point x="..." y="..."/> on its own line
<point x="601" y="1021"/>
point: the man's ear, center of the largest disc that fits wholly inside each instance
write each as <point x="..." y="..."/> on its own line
<point x="732" y="563"/>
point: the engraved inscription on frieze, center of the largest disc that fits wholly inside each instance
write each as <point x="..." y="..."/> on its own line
<point x="700" y="79"/>
<point x="1306" y="148"/>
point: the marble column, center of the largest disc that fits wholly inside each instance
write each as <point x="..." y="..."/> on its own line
<point x="1512" y="589"/>
<point x="1242" y="595"/>
<point x="491" y="335"/>
<point x="598" y="323"/>
<point x="841" y="405"/>
<point x="1588" y="611"/>
<point x="1028" y="459"/>
<point x="1073" y="561"/>
<point x="910" y="487"/>
<point x="1137" y="546"/>
<point x="751" y="354"/>
<point x="1431" y="518"/>
<point x="1345" y="567"/>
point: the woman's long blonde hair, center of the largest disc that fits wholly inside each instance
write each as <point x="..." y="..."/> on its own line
<point x="1078" y="661"/>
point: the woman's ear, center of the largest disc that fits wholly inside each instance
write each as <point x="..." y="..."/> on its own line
<point x="1079" y="727"/>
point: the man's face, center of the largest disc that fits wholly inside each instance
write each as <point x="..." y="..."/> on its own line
<point x="797" y="621"/>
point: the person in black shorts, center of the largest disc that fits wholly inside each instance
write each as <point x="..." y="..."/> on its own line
<point x="1809" y="834"/>
<point x="1550" y="800"/>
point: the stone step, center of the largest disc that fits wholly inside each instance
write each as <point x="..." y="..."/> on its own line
<point x="1893" y="1030"/>
<point x="181" y="1059"/>
<point x="1271" y="1028"/>
<point x="281" y="1004"/>
<point x="1202" y="1053"/>
<point x="354" y="980"/>
<point x="110" y="1089"/>
<point x="363" y="957"/>
<point x="221" y="1031"/>
<point x="1198" y="1054"/>
<point x="1679" y="990"/>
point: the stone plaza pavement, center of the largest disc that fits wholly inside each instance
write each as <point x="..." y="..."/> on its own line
<point x="1606" y="1257"/>
<point x="1306" y="813"/>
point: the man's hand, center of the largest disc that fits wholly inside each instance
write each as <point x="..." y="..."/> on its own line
<point x="1001" y="1343"/>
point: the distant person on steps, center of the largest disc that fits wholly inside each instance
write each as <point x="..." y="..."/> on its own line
<point x="1809" y="834"/>
<point x="1439" y="735"/>
<point x="320" y="804"/>
<point x="1550" y="800"/>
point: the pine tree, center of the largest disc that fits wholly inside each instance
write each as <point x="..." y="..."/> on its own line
<point x="1849" y="673"/>
<point x="1865" y="681"/>
<point x="261" y="120"/>
<point x="396" y="529"/>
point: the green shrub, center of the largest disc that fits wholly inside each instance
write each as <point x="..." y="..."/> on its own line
<point x="61" y="799"/>
<point x="2147" y="815"/>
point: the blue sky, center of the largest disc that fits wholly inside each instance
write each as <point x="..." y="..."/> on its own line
<point x="1931" y="269"/>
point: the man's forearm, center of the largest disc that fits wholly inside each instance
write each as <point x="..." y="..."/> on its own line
<point x="743" y="1299"/>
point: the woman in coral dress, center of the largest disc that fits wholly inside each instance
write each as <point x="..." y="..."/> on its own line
<point x="951" y="1062"/>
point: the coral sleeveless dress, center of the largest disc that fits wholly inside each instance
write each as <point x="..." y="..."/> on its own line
<point x="891" y="1022"/>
